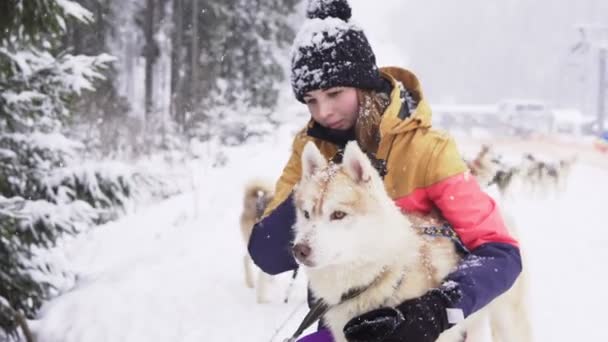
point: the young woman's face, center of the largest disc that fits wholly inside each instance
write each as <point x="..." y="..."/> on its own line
<point x="335" y="108"/>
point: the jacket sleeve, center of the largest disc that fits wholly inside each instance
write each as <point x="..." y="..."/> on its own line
<point x="494" y="262"/>
<point x="270" y="241"/>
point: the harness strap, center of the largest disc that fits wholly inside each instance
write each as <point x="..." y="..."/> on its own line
<point x="445" y="230"/>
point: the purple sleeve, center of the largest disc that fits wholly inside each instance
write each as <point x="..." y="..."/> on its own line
<point x="270" y="241"/>
<point x="484" y="274"/>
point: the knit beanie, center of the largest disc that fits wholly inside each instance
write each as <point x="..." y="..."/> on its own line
<point x="330" y="51"/>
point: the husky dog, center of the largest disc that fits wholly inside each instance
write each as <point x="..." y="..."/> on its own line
<point x="350" y="235"/>
<point x="488" y="169"/>
<point x="544" y="177"/>
<point x="504" y="179"/>
<point x="258" y="194"/>
<point x="484" y="166"/>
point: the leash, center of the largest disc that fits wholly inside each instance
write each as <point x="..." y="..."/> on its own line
<point x="313" y="315"/>
<point x="294" y="275"/>
<point x="319" y="309"/>
<point x="293" y="312"/>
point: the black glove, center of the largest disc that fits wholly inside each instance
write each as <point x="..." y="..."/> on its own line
<point x="421" y="319"/>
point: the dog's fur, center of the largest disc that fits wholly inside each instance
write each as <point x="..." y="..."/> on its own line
<point x="258" y="193"/>
<point x="356" y="237"/>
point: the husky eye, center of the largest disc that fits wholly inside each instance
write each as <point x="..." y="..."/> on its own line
<point x="337" y="215"/>
<point x="306" y="214"/>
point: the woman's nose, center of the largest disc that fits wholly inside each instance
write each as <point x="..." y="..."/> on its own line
<point x="325" y="111"/>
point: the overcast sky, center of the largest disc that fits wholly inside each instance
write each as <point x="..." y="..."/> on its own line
<point x="482" y="51"/>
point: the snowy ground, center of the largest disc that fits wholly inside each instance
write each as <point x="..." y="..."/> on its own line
<point x="565" y="244"/>
<point x="173" y="271"/>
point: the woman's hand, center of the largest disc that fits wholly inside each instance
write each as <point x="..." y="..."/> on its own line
<point x="421" y="319"/>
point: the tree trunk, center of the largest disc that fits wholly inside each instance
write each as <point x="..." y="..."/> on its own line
<point x="150" y="55"/>
<point x="194" y="65"/>
<point x="177" y="108"/>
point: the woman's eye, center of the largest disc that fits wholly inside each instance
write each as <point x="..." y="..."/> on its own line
<point x="334" y="93"/>
<point x="310" y="101"/>
<point x="337" y="215"/>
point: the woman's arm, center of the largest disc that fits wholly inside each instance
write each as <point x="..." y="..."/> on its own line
<point x="270" y="242"/>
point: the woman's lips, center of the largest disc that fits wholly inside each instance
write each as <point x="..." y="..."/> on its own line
<point x="335" y="125"/>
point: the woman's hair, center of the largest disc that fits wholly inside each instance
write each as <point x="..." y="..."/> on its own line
<point x="367" y="128"/>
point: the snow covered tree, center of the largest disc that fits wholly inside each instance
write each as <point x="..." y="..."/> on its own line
<point x="45" y="188"/>
<point x="186" y="66"/>
<point x="255" y="35"/>
<point x="102" y="114"/>
<point x="227" y="60"/>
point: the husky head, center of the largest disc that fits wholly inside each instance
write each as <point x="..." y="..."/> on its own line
<point x="344" y="215"/>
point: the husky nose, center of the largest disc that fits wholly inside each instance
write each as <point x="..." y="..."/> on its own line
<point x="301" y="251"/>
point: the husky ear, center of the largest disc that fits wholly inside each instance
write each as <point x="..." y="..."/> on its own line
<point x="356" y="164"/>
<point x="312" y="160"/>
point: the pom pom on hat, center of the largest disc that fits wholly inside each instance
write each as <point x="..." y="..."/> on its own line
<point x="329" y="9"/>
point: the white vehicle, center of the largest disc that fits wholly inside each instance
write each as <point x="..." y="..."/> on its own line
<point x="526" y="117"/>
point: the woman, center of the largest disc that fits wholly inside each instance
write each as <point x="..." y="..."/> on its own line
<point x="334" y="73"/>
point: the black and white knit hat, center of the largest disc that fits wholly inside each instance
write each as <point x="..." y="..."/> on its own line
<point x="330" y="51"/>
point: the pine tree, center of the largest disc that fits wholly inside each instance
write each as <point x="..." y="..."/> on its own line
<point x="45" y="192"/>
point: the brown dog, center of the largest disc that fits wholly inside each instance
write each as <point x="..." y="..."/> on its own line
<point x="258" y="193"/>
